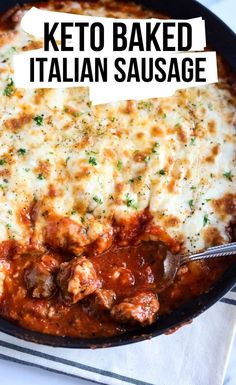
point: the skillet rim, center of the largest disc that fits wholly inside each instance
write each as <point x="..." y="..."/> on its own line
<point x="221" y="38"/>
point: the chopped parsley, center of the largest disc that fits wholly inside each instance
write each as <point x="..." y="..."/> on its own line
<point x="145" y="105"/>
<point x="205" y="220"/>
<point x="41" y="177"/>
<point x="131" y="180"/>
<point x="73" y="212"/>
<point x="191" y="205"/>
<point x="2" y="162"/>
<point x="119" y="165"/>
<point x="162" y="172"/>
<point x="21" y="151"/>
<point x="10" y="88"/>
<point x="228" y="175"/>
<point x="82" y="219"/>
<point x="154" y="149"/>
<point x="147" y="158"/>
<point x="39" y="120"/>
<point x="164" y="116"/>
<point x="193" y="141"/>
<point x="8" y="226"/>
<point x="140" y="177"/>
<point x="131" y="202"/>
<point x="93" y="161"/>
<point x="97" y="200"/>
<point x="193" y="188"/>
<point x="91" y="152"/>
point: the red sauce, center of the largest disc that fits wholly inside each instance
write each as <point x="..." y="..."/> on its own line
<point x="127" y="271"/>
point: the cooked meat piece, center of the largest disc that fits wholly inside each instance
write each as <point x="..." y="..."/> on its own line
<point x="103" y="242"/>
<point x="67" y="235"/>
<point x="77" y="279"/>
<point x="101" y="234"/>
<point x="4" y="266"/>
<point x="141" y="309"/>
<point x="104" y="299"/>
<point x="39" y="280"/>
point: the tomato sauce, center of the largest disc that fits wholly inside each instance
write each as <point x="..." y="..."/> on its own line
<point x="126" y="271"/>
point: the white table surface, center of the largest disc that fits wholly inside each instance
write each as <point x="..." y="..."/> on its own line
<point x="12" y="373"/>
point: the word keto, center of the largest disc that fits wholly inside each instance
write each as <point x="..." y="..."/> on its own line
<point x="173" y="37"/>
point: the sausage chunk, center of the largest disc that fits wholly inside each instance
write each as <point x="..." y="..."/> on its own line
<point x="141" y="309"/>
<point x="77" y="279"/>
<point x="4" y="266"/>
<point x="104" y="299"/>
<point x="67" y="235"/>
<point x="39" y="281"/>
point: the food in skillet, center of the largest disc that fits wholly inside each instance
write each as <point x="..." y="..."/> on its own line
<point x="92" y="197"/>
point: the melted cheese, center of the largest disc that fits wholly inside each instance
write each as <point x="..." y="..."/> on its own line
<point x="175" y="155"/>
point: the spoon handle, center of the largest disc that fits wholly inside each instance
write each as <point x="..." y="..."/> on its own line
<point x="213" y="252"/>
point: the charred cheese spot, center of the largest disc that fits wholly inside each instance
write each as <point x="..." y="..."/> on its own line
<point x="171" y="221"/>
<point x="225" y="206"/>
<point x="214" y="152"/>
<point x="212" y="236"/>
<point x="212" y="126"/>
<point x="33" y="45"/>
<point x="19" y="122"/>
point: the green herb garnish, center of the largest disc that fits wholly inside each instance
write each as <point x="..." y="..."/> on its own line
<point x="147" y="158"/>
<point x="41" y="177"/>
<point x="228" y="175"/>
<point x="97" y="199"/>
<point x="93" y="161"/>
<point x="39" y="120"/>
<point x="131" y="202"/>
<point x="119" y="165"/>
<point x="193" y="141"/>
<point x="21" y="151"/>
<point x="154" y="149"/>
<point x="191" y="205"/>
<point x="10" y="88"/>
<point x="205" y="220"/>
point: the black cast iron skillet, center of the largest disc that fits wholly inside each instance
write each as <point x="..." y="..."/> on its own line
<point x="223" y="40"/>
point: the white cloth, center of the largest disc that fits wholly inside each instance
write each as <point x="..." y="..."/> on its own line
<point x="197" y="354"/>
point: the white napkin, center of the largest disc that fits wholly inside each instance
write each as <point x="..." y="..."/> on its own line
<point x="197" y="354"/>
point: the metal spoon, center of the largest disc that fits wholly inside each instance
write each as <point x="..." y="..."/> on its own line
<point x="172" y="262"/>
